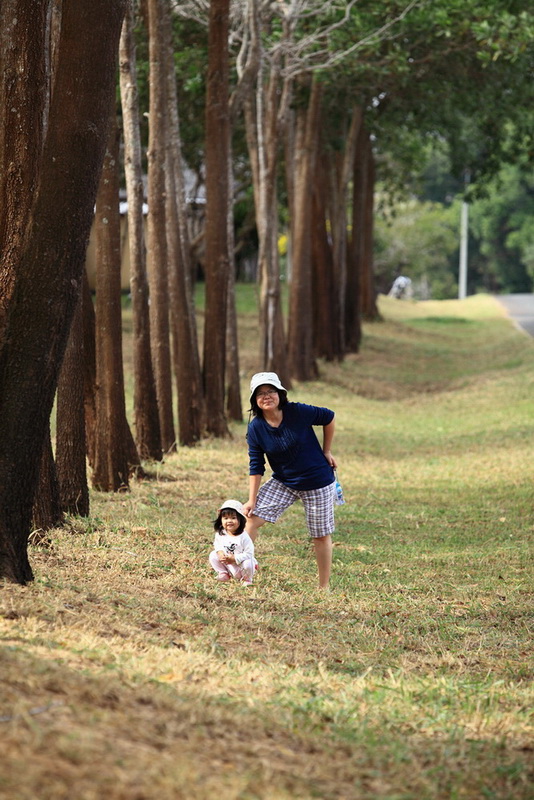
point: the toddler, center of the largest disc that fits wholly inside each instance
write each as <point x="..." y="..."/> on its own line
<point x="233" y="550"/>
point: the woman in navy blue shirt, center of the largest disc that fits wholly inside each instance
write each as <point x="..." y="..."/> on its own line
<point x="283" y="433"/>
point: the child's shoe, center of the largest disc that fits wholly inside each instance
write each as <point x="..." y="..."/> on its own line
<point x="246" y="582"/>
<point x="223" y="576"/>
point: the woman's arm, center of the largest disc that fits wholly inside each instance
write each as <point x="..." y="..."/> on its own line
<point x="254" y="486"/>
<point x="328" y="436"/>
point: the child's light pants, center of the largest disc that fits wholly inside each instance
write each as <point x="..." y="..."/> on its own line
<point x="243" y="571"/>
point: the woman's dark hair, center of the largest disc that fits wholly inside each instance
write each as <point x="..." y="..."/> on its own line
<point x="256" y="410"/>
<point x="217" y="524"/>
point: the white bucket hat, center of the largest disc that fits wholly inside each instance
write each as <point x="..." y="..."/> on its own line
<point x="271" y="378"/>
<point x="235" y="505"/>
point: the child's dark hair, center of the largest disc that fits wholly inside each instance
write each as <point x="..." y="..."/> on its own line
<point x="217" y="524"/>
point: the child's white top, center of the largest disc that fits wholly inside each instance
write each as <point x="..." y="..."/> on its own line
<point x="241" y="546"/>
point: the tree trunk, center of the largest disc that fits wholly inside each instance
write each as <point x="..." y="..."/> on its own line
<point x="47" y="267"/>
<point x="147" y="428"/>
<point x="233" y="391"/>
<point x="217" y="266"/>
<point x="191" y="405"/>
<point x="353" y="328"/>
<point x="89" y="369"/>
<point x="156" y="226"/>
<point x="367" y="286"/>
<point x="22" y="77"/>
<point x="111" y="456"/>
<point x="339" y="195"/>
<point x="300" y="335"/>
<point x="234" y="408"/>
<point x="46" y="505"/>
<point x="323" y="306"/>
<point x="70" y="437"/>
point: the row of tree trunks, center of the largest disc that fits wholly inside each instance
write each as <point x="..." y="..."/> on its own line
<point x="266" y="107"/>
<point x="186" y="355"/>
<point x="340" y="287"/>
<point x="146" y="415"/>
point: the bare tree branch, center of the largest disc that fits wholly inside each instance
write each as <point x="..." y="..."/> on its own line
<point x="303" y="65"/>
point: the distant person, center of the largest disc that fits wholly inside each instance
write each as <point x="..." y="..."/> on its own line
<point x="401" y="288"/>
<point x="302" y="469"/>
<point x="233" y="549"/>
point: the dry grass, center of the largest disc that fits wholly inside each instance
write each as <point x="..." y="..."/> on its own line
<point x="127" y="672"/>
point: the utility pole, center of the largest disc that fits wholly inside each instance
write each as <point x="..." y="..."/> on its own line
<point x="464" y="235"/>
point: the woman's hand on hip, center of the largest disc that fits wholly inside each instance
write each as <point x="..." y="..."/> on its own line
<point x="330" y="458"/>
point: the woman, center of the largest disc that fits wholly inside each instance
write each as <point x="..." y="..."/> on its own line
<point x="303" y="470"/>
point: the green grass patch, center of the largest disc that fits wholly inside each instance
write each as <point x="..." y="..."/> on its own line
<point x="128" y="672"/>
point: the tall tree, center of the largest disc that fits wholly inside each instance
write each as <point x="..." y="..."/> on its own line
<point x="47" y="267"/>
<point x="300" y="330"/>
<point x="147" y="427"/>
<point x="156" y="224"/>
<point x="110" y="471"/>
<point x="217" y="265"/>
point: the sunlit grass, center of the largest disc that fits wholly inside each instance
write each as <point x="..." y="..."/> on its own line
<point x="411" y="678"/>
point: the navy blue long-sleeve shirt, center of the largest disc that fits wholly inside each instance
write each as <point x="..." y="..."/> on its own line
<point x="292" y="449"/>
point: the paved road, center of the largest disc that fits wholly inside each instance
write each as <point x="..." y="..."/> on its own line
<point x="520" y="308"/>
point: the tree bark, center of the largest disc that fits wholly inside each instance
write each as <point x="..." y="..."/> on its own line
<point x="339" y="195"/>
<point x="156" y="226"/>
<point x="23" y="88"/>
<point x="89" y="369"/>
<point x="47" y="511"/>
<point x="47" y="267"/>
<point x="353" y="309"/>
<point x="71" y="461"/>
<point x="300" y="334"/>
<point x="146" y="415"/>
<point x="323" y="305"/>
<point x="217" y="266"/>
<point x="111" y="456"/>
<point x="367" y="286"/>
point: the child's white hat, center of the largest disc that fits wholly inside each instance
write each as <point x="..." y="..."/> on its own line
<point x="270" y="378"/>
<point x="235" y="505"/>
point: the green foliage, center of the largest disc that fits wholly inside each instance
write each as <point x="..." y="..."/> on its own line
<point x="418" y="238"/>
<point x="503" y="221"/>
<point x="419" y="241"/>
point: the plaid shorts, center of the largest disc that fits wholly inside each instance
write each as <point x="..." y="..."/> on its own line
<point x="274" y="498"/>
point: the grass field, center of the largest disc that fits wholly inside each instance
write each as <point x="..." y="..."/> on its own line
<point x="128" y="672"/>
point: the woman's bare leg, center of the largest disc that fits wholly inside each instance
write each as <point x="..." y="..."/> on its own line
<point x="253" y="523"/>
<point x="323" y="555"/>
